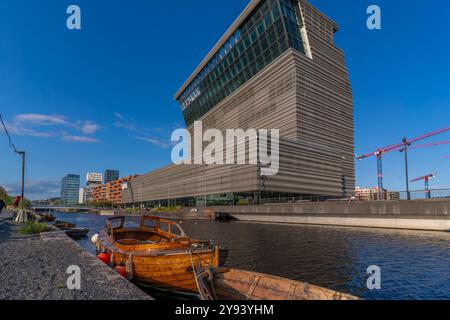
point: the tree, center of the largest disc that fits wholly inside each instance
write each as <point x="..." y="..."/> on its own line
<point x="5" y="197"/>
<point x="9" y="199"/>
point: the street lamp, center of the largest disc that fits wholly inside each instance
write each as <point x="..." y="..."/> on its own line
<point x="22" y="216"/>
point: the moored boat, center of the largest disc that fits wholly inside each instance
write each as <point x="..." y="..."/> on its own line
<point x="157" y="253"/>
<point x="46" y="217"/>
<point x="76" y="233"/>
<point x="64" y="225"/>
<point x="234" y="284"/>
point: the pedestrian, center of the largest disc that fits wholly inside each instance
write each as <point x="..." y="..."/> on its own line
<point x="2" y="205"/>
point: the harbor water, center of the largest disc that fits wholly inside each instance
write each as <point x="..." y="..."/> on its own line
<point x="414" y="264"/>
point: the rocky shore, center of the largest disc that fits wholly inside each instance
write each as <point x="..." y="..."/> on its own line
<point x="35" y="268"/>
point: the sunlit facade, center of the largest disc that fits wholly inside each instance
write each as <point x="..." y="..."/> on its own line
<point x="70" y="190"/>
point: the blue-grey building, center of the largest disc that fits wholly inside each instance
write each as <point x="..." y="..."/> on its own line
<point x="70" y="189"/>
<point x="111" y="175"/>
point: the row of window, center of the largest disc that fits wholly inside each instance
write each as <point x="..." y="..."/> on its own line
<point x="265" y="35"/>
<point x="257" y="25"/>
<point x="192" y="91"/>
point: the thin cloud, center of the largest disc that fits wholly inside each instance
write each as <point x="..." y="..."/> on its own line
<point x="22" y="131"/>
<point x="42" y="119"/>
<point x="156" y="142"/>
<point x="37" y="126"/>
<point x="36" y="189"/>
<point x="122" y="123"/>
<point x="79" y="139"/>
<point x="158" y="137"/>
<point x="89" y="127"/>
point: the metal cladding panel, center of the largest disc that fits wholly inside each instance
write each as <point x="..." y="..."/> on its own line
<point x="186" y="181"/>
<point x="306" y="168"/>
<point x="267" y="101"/>
<point x="325" y="100"/>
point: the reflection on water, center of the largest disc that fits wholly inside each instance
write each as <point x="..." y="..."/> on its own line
<point x="415" y="265"/>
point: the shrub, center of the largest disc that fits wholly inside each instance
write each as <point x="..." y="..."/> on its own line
<point x="34" y="228"/>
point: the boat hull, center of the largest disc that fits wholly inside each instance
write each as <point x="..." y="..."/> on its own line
<point x="234" y="284"/>
<point x="158" y="254"/>
<point x="168" y="271"/>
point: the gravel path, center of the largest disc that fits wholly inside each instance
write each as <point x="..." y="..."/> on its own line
<point x="34" y="268"/>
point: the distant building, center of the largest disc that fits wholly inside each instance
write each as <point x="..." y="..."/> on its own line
<point x="99" y="193"/>
<point x="70" y="190"/>
<point x="47" y="202"/>
<point x="86" y="193"/>
<point x="110" y="175"/>
<point x="111" y="191"/>
<point x="81" y="196"/>
<point x="366" y="194"/>
<point x="93" y="178"/>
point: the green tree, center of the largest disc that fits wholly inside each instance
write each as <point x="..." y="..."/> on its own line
<point x="9" y="200"/>
<point x="101" y="204"/>
<point x="5" y="197"/>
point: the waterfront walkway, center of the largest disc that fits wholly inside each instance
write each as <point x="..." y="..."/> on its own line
<point x="34" y="268"/>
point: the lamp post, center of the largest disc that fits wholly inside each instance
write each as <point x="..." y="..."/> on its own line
<point x="22" y="216"/>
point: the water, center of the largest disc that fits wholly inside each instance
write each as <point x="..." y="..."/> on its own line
<point x="414" y="265"/>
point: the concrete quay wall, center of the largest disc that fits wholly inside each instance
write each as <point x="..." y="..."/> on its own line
<point x="433" y="215"/>
<point x="35" y="268"/>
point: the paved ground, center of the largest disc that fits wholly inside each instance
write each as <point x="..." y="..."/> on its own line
<point x="34" y="268"/>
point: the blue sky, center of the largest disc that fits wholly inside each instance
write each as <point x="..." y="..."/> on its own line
<point x="102" y="97"/>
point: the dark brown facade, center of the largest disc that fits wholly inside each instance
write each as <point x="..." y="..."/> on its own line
<point x="304" y="92"/>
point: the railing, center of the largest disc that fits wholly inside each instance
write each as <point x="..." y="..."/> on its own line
<point x="392" y="195"/>
<point x="421" y="194"/>
<point x="294" y="200"/>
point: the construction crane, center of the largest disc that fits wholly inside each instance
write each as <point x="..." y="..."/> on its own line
<point x="427" y="183"/>
<point x="434" y="144"/>
<point x="403" y="147"/>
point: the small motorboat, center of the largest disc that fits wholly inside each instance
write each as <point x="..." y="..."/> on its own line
<point x="156" y="254"/>
<point x="234" y="284"/>
<point x="77" y="233"/>
<point x="64" y="225"/>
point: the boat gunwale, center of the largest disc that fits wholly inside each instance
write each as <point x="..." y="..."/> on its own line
<point x="110" y="244"/>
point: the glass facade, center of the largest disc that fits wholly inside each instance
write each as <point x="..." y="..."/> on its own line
<point x="70" y="189"/>
<point x="272" y="28"/>
<point x="111" y="175"/>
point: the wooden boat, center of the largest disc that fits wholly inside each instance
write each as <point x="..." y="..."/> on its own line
<point x="234" y="284"/>
<point x="47" y="217"/>
<point x="64" y="225"/>
<point x="77" y="233"/>
<point x="157" y="253"/>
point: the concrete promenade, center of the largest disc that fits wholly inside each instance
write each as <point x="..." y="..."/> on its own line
<point x="34" y="268"/>
<point x="432" y="215"/>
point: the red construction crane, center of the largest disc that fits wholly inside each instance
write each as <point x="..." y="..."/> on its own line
<point x="427" y="183"/>
<point x="434" y="144"/>
<point x="403" y="147"/>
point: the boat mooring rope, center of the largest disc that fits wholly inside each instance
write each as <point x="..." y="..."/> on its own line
<point x="129" y="267"/>
<point x="112" y="259"/>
